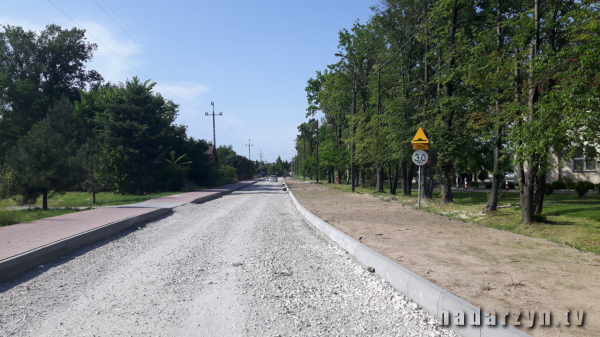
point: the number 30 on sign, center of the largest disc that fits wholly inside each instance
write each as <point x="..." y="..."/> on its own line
<point x="420" y="157"/>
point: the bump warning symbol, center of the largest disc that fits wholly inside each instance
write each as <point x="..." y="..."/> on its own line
<point x="420" y="138"/>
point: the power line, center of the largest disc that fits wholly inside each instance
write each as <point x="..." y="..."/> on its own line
<point x="175" y="71"/>
<point x="141" y="72"/>
<point x="132" y="66"/>
<point x="190" y="88"/>
<point x="233" y="130"/>
<point x="147" y="52"/>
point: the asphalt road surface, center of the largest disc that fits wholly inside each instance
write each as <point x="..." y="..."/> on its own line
<point x="245" y="264"/>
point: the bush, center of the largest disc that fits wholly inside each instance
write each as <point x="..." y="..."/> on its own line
<point x="581" y="188"/>
<point x="548" y="189"/>
<point x="559" y="185"/>
<point x="7" y="182"/>
<point x="483" y="175"/>
<point x="473" y="184"/>
<point x="590" y="185"/>
<point x="598" y="188"/>
<point x="501" y="185"/>
<point x="227" y="174"/>
<point x="8" y="217"/>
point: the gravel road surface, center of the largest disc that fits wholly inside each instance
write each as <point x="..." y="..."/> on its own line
<point x="245" y="264"/>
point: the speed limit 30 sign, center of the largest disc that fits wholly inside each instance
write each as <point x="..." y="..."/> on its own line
<point x="420" y="157"/>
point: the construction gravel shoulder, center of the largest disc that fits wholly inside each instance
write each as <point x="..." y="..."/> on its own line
<point x="245" y="264"/>
<point x="495" y="270"/>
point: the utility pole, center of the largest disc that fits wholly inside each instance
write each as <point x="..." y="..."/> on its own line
<point x="260" y="154"/>
<point x="317" y="151"/>
<point x="213" y="116"/>
<point x="248" y="145"/>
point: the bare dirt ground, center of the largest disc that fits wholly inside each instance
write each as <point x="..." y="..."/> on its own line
<point x="495" y="270"/>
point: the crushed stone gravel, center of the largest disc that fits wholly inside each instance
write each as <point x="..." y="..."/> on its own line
<point x="245" y="264"/>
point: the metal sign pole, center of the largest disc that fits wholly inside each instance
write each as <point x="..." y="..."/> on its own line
<point x="419" y="187"/>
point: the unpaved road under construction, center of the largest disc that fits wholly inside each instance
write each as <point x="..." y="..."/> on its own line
<point x="245" y="264"/>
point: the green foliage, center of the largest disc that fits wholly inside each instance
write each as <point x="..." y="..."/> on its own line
<point x="559" y="185"/>
<point x="224" y="152"/>
<point x="540" y="217"/>
<point x="8" y="217"/>
<point x="36" y="70"/>
<point x="7" y="182"/>
<point x="61" y="128"/>
<point x="474" y="184"/>
<point x="138" y="127"/>
<point x="483" y="175"/>
<point x="495" y="86"/>
<point x="241" y="164"/>
<point x="590" y="185"/>
<point x="227" y="174"/>
<point x="43" y="159"/>
<point x="581" y="188"/>
<point x="171" y="177"/>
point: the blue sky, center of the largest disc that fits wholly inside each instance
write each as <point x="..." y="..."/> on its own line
<point x="252" y="58"/>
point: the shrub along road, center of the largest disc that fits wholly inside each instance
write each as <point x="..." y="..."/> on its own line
<point x="243" y="264"/>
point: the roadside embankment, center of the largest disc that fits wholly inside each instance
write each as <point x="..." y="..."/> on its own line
<point x="495" y="270"/>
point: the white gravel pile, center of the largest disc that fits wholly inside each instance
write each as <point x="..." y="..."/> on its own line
<point x="242" y="265"/>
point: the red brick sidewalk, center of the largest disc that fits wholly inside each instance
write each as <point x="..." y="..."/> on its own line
<point x="21" y="238"/>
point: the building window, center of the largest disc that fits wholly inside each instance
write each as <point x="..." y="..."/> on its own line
<point x="585" y="159"/>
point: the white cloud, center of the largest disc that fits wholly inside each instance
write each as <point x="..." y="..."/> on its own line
<point x="112" y="51"/>
<point x="105" y="61"/>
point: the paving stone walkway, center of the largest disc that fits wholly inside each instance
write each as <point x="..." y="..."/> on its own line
<point x="21" y="238"/>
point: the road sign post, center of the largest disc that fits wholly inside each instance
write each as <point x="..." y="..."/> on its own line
<point x="420" y="157"/>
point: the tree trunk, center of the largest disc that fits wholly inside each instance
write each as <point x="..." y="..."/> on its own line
<point x="423" y="186"/>
<point x="353" y="146"/>
<point x="379" y="183"/>
<point x="430" y="181"/>
<point x="404" y="178"/>
<point x="446" y="184"/>
<point x="410" y="175"/>
<point x="492" y="203"/>
<point x="539" y="196"/>
<point x="527" y="194"/>
<point x="396" y="176"/>
<point x="93" y="194"/>
<point x="449" y="115"/>
<point x="390" y="182"/>
<point x="45" y="200"/>
<point x="347" y="177"/>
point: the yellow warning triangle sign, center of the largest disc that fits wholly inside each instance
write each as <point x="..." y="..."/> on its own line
<point x="420" y="138"/>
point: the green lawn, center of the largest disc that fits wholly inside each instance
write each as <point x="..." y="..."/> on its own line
<point x="69" y="199"/>
<point x="11" y="217"/>
<point x="571" y="220"/>
<point x="83" y="199"/>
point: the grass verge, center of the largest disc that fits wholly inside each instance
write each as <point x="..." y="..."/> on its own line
<point x="83" y="199"/>
<point x="14" y="216"/>
<point x="64" y="204"/>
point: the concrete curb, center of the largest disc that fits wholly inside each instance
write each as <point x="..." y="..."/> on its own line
<point x="425" y="293"/>
<point x="17" y="264"/>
